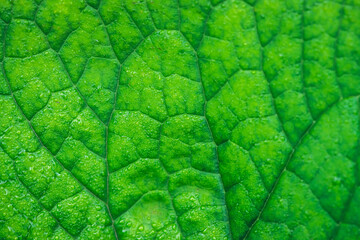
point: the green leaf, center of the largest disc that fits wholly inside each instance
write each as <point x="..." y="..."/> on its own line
<point x="179" y="119"/>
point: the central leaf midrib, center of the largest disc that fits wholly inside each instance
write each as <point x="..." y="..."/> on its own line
<point x="107" y="129"/>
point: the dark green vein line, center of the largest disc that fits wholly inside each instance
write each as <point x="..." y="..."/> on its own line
<point x="167" y="184"/>
<point x="42" y="144"/>
<point x="279" y="177"/>
<point x="36" y="199"/>
<point x="302" y="69"/>
<point x="37" y="136"/>
<point x="107" y="131"/>
<point x="152" y="19"/>
<point x="13" y="161"/>
<point x="64" y="67"/>
<point x="357" y="183"/>
<point x="304" y="135"/>
<point x="298" y="143"/>
<point x="208" y="125"/>
<point x="281" y="125"/>
<point x="205" y="104"/>
<point x="336" y="46"/>
<point x="294" y="147"/>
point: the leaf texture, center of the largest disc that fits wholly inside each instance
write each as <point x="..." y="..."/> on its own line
<point x="179" y="119"/>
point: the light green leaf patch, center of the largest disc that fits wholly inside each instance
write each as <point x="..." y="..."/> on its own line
<point x="187" y="119"/>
